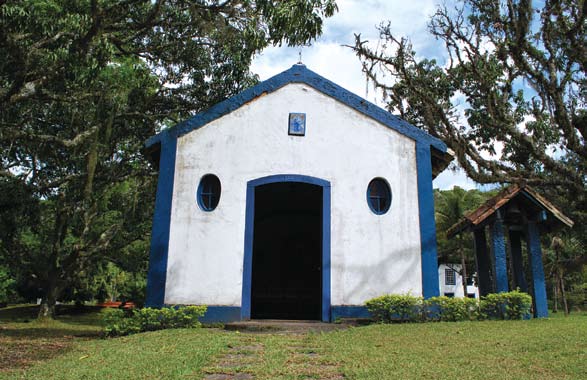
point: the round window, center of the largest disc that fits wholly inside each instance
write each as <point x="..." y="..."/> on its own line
<point x="379" y="196"/>
<point x="209" y="192"/>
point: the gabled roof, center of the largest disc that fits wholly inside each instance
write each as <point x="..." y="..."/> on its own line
<point x="300" y="74"/>
<point x="492" y="205"/>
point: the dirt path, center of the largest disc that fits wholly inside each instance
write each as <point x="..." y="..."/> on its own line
<point x="297" y="358"/>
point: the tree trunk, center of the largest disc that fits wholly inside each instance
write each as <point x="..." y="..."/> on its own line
<point x="47" y="309"/>
<point x="563" y="294"/>
<point x="555" y="296"/>
<point x="51" y="277"/>
<point x="559" y="270"/>
<point x="464" y="273"/>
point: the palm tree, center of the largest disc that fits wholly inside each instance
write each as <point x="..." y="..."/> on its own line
<point x="450" y="207"/>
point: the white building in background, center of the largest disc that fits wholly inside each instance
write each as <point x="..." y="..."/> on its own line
<point x="451" y="282"/>
<point x="294" y="199"/>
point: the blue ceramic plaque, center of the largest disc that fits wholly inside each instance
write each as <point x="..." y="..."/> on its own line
<point x="297" y="124"/>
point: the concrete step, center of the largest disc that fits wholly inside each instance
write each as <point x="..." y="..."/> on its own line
<point x="289" y="326"/>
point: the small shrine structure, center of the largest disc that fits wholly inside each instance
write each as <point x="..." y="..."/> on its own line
<point x="294" y="199"/>
<point x="516" y="214"/>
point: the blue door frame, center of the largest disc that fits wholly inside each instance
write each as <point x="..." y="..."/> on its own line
<point x="250" y="228"/>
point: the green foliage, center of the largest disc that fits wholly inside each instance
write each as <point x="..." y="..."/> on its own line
<point x="407" y="308"/>
<point x="395" y="308"/>
<point x="114" y="278"/>
<point x="120" y="322"/>
<point x="577" y="292"/>
<point x="494" y="350"/>
<point x="82" y="86"/>
<point x="6" y="285"/>
<point x="565" y="266"/>
<point x="111" y="282"/>
<point x="451" y="309"/>
<point x="577" y="297"/>
<point x="135" y="290"/>
<point x="472" y="99"/>
<point x="507" y="305"/>
<point x="449" y="208"/>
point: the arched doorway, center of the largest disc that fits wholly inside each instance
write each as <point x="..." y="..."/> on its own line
<point x="287" y="249"/>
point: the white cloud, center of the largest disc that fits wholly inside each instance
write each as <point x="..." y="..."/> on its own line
<point x="329" y="58"/>
<point x="450" y="178"/>
<point x="339" y="64"/>
<point x="407" y="18"/>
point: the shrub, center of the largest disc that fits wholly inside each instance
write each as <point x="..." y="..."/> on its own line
<point x="507" y="305"/>
<point x="121" y="322"/>
<point x="450" y="309"/>
<point x="118" y="322"/>
<point x="577" y="297"/>
<point x="6" y="285"/>
<point x="395" y="308"/>
<point x="406" y="308"/>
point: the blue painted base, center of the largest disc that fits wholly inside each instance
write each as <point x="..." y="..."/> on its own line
<point x="348" y="311"/>
<point x="225" y="314"/>
<point x="222" y="314"/>
<point x="215" y="314"/>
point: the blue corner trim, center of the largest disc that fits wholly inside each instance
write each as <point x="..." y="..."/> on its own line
<point x="499" y="256"/>
<point x="535" y="261"/>
<point x="349" y="311"/>
<point x="161" y="223"/>
<point x="300" y="74"/>
<point x="222" y="314"/>
<point x="249" y="232"/>
<point x="427" y="224"/>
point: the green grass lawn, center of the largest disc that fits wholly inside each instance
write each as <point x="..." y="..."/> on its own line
<point x="555" y="348"/>
<point x="24" y="341"/>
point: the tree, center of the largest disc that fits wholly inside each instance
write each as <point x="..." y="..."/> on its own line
<point x="565" y="260"/>
<point x="514" y="77"/>
<point x="450" y="206"/>
<point x="84" y="83"/>
<point x="557" y="245"/>
<point x="509" y="97"/>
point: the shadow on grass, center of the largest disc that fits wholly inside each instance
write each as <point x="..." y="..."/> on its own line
<point x="17" y="353"/>
<point x="30" y="312"/>
<point x="71" y="321"/>
<point x="24" y="340"/>
<point x="48" y="331"/>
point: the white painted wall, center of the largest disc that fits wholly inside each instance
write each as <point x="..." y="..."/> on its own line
<point x="457" y="289"/>
<point x="371" y="255"/>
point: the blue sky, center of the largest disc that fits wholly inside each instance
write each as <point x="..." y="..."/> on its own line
<point x="328" y="57"/>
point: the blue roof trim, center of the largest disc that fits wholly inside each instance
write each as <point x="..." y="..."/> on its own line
<point x="300" y="74"/>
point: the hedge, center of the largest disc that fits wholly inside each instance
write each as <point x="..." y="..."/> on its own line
<point x="394" y="308"/>
<point x="510" y="305"/>
<point x="122" y="322"/>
